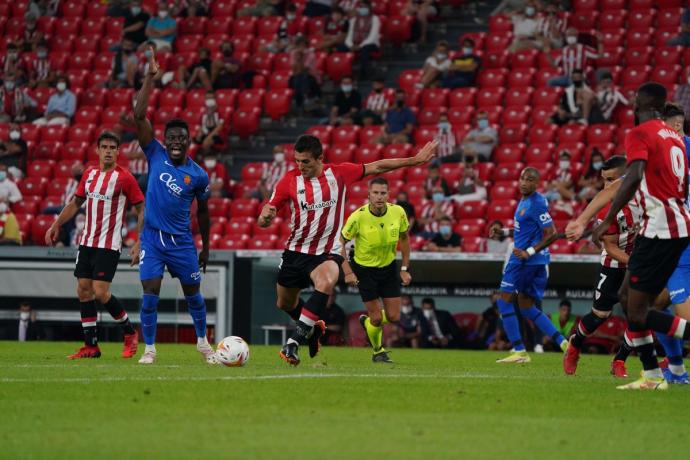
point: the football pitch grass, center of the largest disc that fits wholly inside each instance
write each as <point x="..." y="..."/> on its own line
<point x="429" y="405"/>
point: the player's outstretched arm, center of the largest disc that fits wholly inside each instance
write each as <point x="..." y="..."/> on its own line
<point x="204" y="219"/>
<point x="423" y="156"/>
<point x="65" y="215"/>
<point x="405" y="276"/>
<point x="144" y="129"/>
<point x="575" y="228"/>
<point x="136" y="249"/>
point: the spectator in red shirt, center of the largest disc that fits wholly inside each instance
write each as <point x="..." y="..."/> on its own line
<point x="334" y="30"/>
<point x="40" y="70"/>
<point x="217" y="174"/>
<point x="15" y="103"/>
<point x="573" y="56"/>
<point x="363" y="36"/>
<point x="376" y="104"/>
<point x="210" y="132"/>
<point x="226" y="72"/>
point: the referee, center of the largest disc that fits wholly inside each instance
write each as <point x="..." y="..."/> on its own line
<point x="376" y="228"/>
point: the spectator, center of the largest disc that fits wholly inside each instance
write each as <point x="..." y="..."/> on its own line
<point x="682" y="95"/>
<point x="314" y="8"/>
<point x="210" y="135"/>
<point x="162" y="29"/>
<point x="448" y="149"/>
<point x="9" y="227"/>
<point x="61" y="105"/>
<point x="31" y="36"/>
<point x="423" y="11"/>
<point x="409" y="327"/>
<point x="192" y="8"/>
<point x="226" y="72"/>
<point x="348" y="101"/>
<point x="9" y="192"/>
<point x="334" y="316"/>
<point x="470" y="187"/>
<point x="439" y="329"/>
<point x="400" y="122"/>
<point x="43" y="7"/>
<point x="561" y="187"/>
<point x="446" y="240"/>
<point x="288" y="30"/>
<point x="136" y="20"/>
<point x="591" y="181"/>
<point x="480" y="142"/>
<point x="608" y="99"/>
<point x="13" y="64"/>
<point x="564" y="322"/>
<point x="138" y="164"/>
<point x="305" y="75"/>
<point x="28" y="328"/>
<point x="485" y="330"/>
<point x="463" y="69"/>
<point x="125" y="66"/>
<point x="435" y="67"/>
<point x="77" y="171"/>
<point x="217" y="174"/>
<point x="363" y="36"/>
<point x="334" y="30"/>
<point x="576" y="103"/>
<point x="40" y="70"/>
<point x="498" y="242"/>
<point x="434" y="180"/>
<point x="131" y="234"/>
<point x="349" y="7"/>
<point x="13" y="151"/>
<point x="684" y="38"/>
<point x="573" y="56"/>
<point x="275" y="170"/>
<point x="550" y="28"/>
<point x="525" y="29"/>
<point x="376" y="104"/>
<point x="403" y="201"/>
<point x="199" y="75"/>
<point x="433" y="212"/>
<point x="263" y="8"/>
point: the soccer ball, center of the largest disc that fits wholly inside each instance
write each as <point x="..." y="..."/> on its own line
<point x="233" y="351"/>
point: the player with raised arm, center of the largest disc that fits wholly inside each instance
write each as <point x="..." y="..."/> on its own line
<point x="658" y="174"/>
<point x="376" y="229"/>
<point x="108" y="190"/>
<point x="175" y="180"/>
<point x="526" y="272"/>
<point x="316" y="193"/>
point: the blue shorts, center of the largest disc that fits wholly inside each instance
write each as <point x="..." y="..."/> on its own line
<point x="678" y="284"/>
<point x="525" y="279"/>
<point x="177" y="252"/>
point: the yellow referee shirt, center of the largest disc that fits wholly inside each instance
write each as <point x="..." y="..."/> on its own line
<point x="376" y="237"/>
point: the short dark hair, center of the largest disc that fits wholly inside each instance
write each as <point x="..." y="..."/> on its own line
<point x="470" y="41"/>
<point x="566" y="303"/>
<point x="379" y="181"/>
<point x="311" y="144"/>
<point x="615" y="162"/>
<point x="446" y="219"/>
<point x="176" y="123"/>
<point x="25" y="303"/>
<point x="532" y="170"/>
<point x="578" y="71"/>
<point x="671" y="109"/>
<point x="429" y="300"/>
<point x="108" y="135"/>
<point x="652" y="96"/>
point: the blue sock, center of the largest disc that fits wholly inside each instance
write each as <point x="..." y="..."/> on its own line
<point x="672" y="346"/>
<point x="510" y="324"/>
<point x="197" y="310"/>
<point x="149" y="317"/>
<point x="543" y="323"/>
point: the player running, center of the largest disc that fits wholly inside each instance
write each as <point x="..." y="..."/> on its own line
<point x="108" y="190"/>
<point x="316" y="195"/>
<point x="175" y="180"/>
<point x="658" y="173"/>
<point x="617" y="247"/>
<point x="376" y="229"/>
<point x="526" y="272"/>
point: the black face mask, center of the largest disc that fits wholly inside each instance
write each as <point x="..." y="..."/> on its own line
<point x="578" y="84"/>
<point x="378" y="90"/>
<point x="227" y="52"/>
<point x="77" y="177"/>
<point x="400" y="104"/>
<point x="127" y="51"/>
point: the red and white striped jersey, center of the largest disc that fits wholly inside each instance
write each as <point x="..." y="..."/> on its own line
<point x="274" y="171"/>
<point x="377" y="102"/>
<point x="429" y="211"/>
<point x="577" y="56"/>
<point x="549" y="25"/>
<point x="107" y="194"/>
<point x="317" y="206"/>
<point x="138" y="164"/>
<point x="625" y="227"/>
<point x="662" y="192"/>
<point x="446" y="143"/>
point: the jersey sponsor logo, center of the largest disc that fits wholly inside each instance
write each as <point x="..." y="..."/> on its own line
<point x="187" y="180"/>
<point x="98" y="196"/>
<point x="196" y="276"/>
<point x="672" y="294"/>
<point x="171" y="183"/>
<point x="545" y="217"/>
<point x="312" y="207"/>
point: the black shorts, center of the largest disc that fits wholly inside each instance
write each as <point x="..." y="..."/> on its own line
<point x="96" y="263"/>
<point x="653" y="261"/>
<point x="295" y="267"/>
<point x="375" y="282"/>
<point x="608" y="284"/>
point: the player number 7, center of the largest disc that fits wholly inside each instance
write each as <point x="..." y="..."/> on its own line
<point x="601" y="281"/>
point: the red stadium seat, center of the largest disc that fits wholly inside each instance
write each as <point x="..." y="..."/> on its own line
<point x="268" y="26"/>
<point x="500" y="23"/>
<point x="635" y="75"/>
<point x="495" y="59"/>
<point x="339" y="65"/>
<point x="610" y="57"/>
<point x="492" y="78"/>
<point x="81" y="133"/>
<point x="490" y="97"/>
<point x="486" y="170"/>
<point x="56" y="187"/>
<point x="639" y="38"/>
<point x="613" y="20"/>
<point x="469" y="228"/>
<point x="562" y="247"/>
<point x="612" y="39"/>
<point x="399" y="29"/>
<point x="368" y="153"/>
<point x="462" y="97"/>
<point x="601" y="133"/>
<point x="67" y="26"/>
<point x="518" y="97"/>
<point x="669" y="17"/>
<point x="508" y="171"/>
<point x="35" y="186"/>
<point x="508" y="153"/>
<point x="233" y="243"/>
<point x="668" y="55"/>
<point x="53" y="133"/>
<point x="542" y="134"/>
<point x="323" y="132"/>
<point x="585" y="5"/>
<point x="472" y="210"/>
<point x="429" y="115"/>
<point x="458" y="116"/>
<point x="607" y="5"/>
<point x="244" y="207"/>
<point x="501" y="209"/>
<point x="638" y="56"/>
<point x="340" y="153"/>
<point x="641" y="20"/>
<point x="239" y="226"/>
<point x="39" y="227"/>
<point x="513" y="134"/>
<point x="397" y="151"/>
<point x="571" y="133"/>
<point x="424" y="134"/>
<point x="27" y="205"/>
<point x="277" y="103"/>
<point x="547" y="97"/>
<point x="521" y="78"/>
<point x="280" y="79"/>
<point x="408" y="79"/>
<point x="345" y="135"/>
<point x="504" y="190"/>
<point x="244" y="27"/>
<point x="246" y="122"/>
<point x="516" y="115"/>
<point x="526" y="59"/>
<point x="219" y="26"/>
<point x="662" y="36"/>
<point x="223" y="8"/>
<point x="435" y="97"/>
<point x="666" y="75"/>
<point x="370" y="135"/>
<point x="41" y="168"/>
<point x="251" y="98"/>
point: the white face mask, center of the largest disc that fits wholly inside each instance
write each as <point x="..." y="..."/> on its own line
<point x="571" y="40"/>
<point x="210" y="162"/>
<point x="24" y="315"/>
<point x="162" y="14"/>
<point x="564" y="164"/>
<point x="42" y="54"/>
<point x="279" y="157"/>
<point x="61" y="86"/>
<point x="210" y="103"/>
<point x="3" y="208"/>
<point x="529" y="11"/>
<point x="3" y="175"/>
<point x="407" y="309"/>
<point x="428" y="313"/>
<point x="14" y="135"/>
<point x="467" y="51"/>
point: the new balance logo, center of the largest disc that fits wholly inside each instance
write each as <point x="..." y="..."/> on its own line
<point x="300" y="191"/>
<point x="315" y="206"/>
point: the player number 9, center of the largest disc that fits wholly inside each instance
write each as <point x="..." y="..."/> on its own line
<point x="678" y="166"/>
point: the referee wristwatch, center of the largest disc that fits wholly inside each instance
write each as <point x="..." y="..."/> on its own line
<point x="403" y="268"/>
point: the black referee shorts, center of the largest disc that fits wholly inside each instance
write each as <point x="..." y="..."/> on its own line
<point x="295" y="268"/>
<point x="96" y="263"/>
<point x="608" y="285"/>
<point x="653" y="261"/>
<point x="375" y="282"/>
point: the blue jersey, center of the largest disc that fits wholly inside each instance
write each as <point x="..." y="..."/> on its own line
<point x="685" y="256"/>
<point x="171" y="190"/>
<point x="531" y="218"/>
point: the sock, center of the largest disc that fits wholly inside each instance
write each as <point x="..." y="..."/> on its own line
<point x="588" y="324"/>
<point x="150" y="348"/>
<point x="149" y="318"/>
<point x="89" y="321"/>
<point x="625" y="348"/>
<point x="202" y="341"/>
<point x="543" y="323"/>
<point x="643" y="342"/>
<point x="118" y="313"/>
<point x="302" y="333"/>
<point x="673" y="348"/>
<point x="375" y="334"/>
<point x="672" y="326"/>
<point x="384" y="318"/>
<point x="197" y="310"/>
<point x="510" y="324"/>
<point x="297" y="311"/>
<point x="313" y="308"/>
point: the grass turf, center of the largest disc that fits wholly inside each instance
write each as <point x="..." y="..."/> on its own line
<point x="430" y="404"/>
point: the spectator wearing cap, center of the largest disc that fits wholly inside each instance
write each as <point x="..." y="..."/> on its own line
<point x="61" y="105"/>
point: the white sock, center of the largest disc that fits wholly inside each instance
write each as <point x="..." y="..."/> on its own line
<point x="151" y="348"/>
<point x="201" y="341"/>
<point x="307" y="320"/>
<point x="293" y="341"/>
<point x="654" y="374"/>
<point x="677" y="369"/>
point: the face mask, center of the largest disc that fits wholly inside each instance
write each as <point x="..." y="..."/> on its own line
<point x="15" y="135"/>
<point x="363" y="10"/>
<point x="3" y="208"/>
<point x="12" y="55"/>
<point x="578" y="84"/>
<point x="400" y="104"/>
<point x="24" y="315"/>
<point x="210" y="103"/>
<point x="132" y="224"/>
<point x="444" y="126"/>
<point x="437" y="197"/>
<point x="467" y="51"/>
<point x="162" y="14"/>
<point x="136" y="10"/>
<point x="571" y="40"/>
<point x="445" y="230"/>
<point x="61" y="86"/>
<point x="407" y="309"/>
<point x="346" y="88"/>
<point x="597" y="165"/>
<point x="290" y="17"/>
<point x="428" y="314"/>
<point x="227" y="52"/>
<point x="564" y="164"/>
<point x="442" y="56"/>
<point x="279" y="157"/>
<point x="3" y="175"/>
<point x="9" y="85"/>
<point x="210" y="162"/>
<point x="148" y="54"/>
<point x="42" y="54"/>
<point x="529" y="11"/>
<point x="483" y="123"/>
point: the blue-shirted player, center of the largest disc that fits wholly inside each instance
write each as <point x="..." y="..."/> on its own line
<point x="526" y="272"/>
<point x="166" y="240"/>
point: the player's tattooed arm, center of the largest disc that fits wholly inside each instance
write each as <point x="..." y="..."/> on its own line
<point x="610" y="243"/>
<point x="134" y="251"/>
<point x="575" y="228"/>
<point x="204" y="220"/>
<point x="66" y="214"/>
<point x="382" y="166"/>
<point x="144" y="129"/>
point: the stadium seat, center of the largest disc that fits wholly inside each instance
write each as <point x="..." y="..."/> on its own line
<point x="370" y="135"/>
<point x="342" y="153"/>
<point x="613" y="20"/>
<point x="638" y="56"/>
<point x="504" y="190"/>
<point x="233" y="242"/>
<point x="39" y="227"/>
<point x="251" y="98"/>
<point x="496" y="59"/>
<point x="430" y="115"/>
<point x="368" y="153"/>
<point x="35" y="186"/>
<point x="339" y="65"/>
<point x="500" y="23"/>
<point x="571" y="133"/>
<point x="508" y="153"/>
<point x="457" y="116"/>
<point x="238" y="226"/>
<point x="244" y="207"/>
<point x="492" y="78"/>
<point x="246" y="122"/>
<point x="525" y="59"/>
<point x="345" y="135"/>
<point x="472" y="210"/>
<point x="666" y="75"/>
<point x="219" y="207"/>
<point x="562" y="247"/>
<point x="27" y="205"/>
<point x="539" y="153"/>
<point x="513" y="134"/>
<point x="417" y="174"/>
<point x="41" y="168"/>
<point x="280" y="79"/>
<point x="277" y="103"/>
<point x="507" y="171"/>
<point x="323" y="132"/>
<point x="601" y="133"/>
<point x="642" y="20"/>
<point x="462" y="97"/>
<point x="521" y="78"/>
<point x="515" y="115"/>
<point x="669" y="17"/>
<point x="518" y="97"/>
<point x="408" y="79"/>
<point x="435" y="97"/>
<point x="424" y="134"/>
<point x="490" y="97"/>
<point x="585" y="5"/>
<point x="467" y="229"/>
<point x="639" y="38"/>
<point x="398" y="29"/>
<point x="501" y="209"/>
<point x="668" y="55"/>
